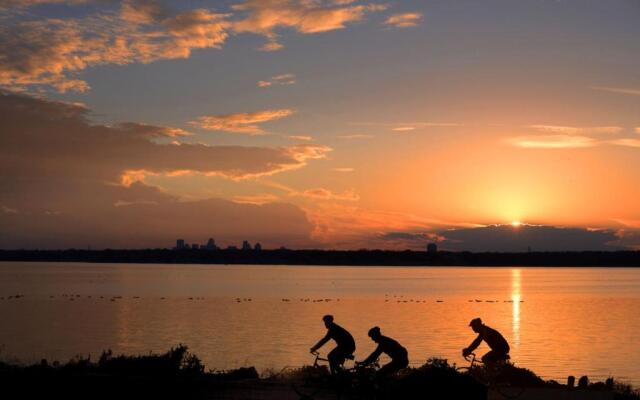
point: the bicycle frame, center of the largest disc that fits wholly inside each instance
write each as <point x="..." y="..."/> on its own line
<point x="473" y="360"/>
<point x="318" y="358"/>
<point x="488" y="378"/>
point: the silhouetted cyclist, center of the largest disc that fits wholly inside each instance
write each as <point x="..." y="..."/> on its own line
<point x="345" y="344"/>
<point x="397" y="353"/>
<point x="499" y="346"/>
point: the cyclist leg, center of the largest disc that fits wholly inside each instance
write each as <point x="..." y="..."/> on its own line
<point x="494" y="357"/>
<point x="336" y="358"/>
<point x="393" y="367"/>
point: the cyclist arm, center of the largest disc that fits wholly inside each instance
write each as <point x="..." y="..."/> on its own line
<point x="321" y="342"/>
<point x="474" y="345"/>
<point x="374" y="356"/>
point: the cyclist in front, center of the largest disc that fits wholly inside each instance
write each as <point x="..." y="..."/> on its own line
<point x="345" y="344"/>
<point x="498" y="344"/>
<point x="397" y="353"/>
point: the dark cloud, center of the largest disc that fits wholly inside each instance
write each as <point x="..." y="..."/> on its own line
<point x="154" y="221"/>
<point x="65" y="182"/>
<point x="42" y="138"/>
<point x="404" y="240"/>
<point x="507" y="238"/>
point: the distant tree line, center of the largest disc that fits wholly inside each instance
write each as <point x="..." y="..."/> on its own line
<point x="332" y="257"/>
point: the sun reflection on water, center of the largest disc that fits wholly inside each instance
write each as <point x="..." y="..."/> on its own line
<point x="515" y="298"/>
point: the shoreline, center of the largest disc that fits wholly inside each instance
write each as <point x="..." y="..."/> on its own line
<point x="382" y="258"/>
<point x="180" y="374"/>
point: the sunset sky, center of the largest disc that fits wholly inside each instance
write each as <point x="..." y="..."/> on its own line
<point x="320" y="123"/>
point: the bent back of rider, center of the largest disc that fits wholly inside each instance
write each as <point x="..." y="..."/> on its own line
<point x="398" y="354"/>
<point x="496" y="342"/>
<point x="345" y="348"/>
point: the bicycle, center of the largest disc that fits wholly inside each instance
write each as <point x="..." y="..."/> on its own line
<point x="356" y="382"/>
<point x="489" y="375"/>
<point x="317" y="378"/>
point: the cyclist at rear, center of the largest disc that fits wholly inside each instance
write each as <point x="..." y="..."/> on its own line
<point x="497" y="343"/>
<point x="345" y="344"/>
<point x="397" y="353"/>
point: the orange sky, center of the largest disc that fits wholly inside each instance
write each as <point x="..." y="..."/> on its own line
<point x="348" y="120"/>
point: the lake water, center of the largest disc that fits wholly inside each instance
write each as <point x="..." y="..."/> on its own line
<point x="559" y="321"/>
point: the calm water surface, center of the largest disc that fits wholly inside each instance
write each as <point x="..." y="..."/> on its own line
<point x="559" y="321"/>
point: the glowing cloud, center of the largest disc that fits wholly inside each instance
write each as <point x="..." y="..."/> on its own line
<point x="553" y="142"/>
<point x="284" y="79"/>
<point x="304" y="138"/>
<point x="30" y="3"/>
<point x="574" y="130"/>
<point x="326" y="194"/>
<point x="265" y="16"/>
<point x="49" y="52"/>
<point x="627" y="142"/>
<point x="258" y="199"/>
<point x="619" y="90"/>
<point x="244" y="123"/>
<point x="405" y="20"/>
<point x="404" y="129"/>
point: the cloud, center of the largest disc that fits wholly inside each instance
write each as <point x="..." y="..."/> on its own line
<point x="157" y="223"/>
<point x="316" y="193"/>
<point x="326" y="194"/>
<point x="48" y="138"/>
<point x="573" y="130"/>
<point x="626" y="142"/>
<point x="152" y="131"/>
<point x="565" y="137"/>
<point x="637" y="130"/>
<point x="619" y="90"/>
<point x="405" y="20"/>
<point x="74" y="183"/>
<point x="143" y="12"/>
<point x="264" y="17"/>
<point x="344" y="169"/>
<point x="408" y="240"/>
<point x="553" y="142"/>
<point x="258" y="199"/>
<point x="8" y="210"/>
<point x="345" y="225"/>
<point x="51" y="52"/>
<point x="629" y="239"/>
<point x="245" y="123"/>
<point x="284" y="79"/>
<point x="404" y="129"/>
<point x="507" y="238"/>
<point x="4" y="4"/>
<point x="38" y="51"/>
<point x="304" y="138"/>
<point x="355" y="136"/>
<point x="271" y="45"/>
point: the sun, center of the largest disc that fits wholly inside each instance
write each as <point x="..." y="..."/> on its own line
<point x="516" y="224"/>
